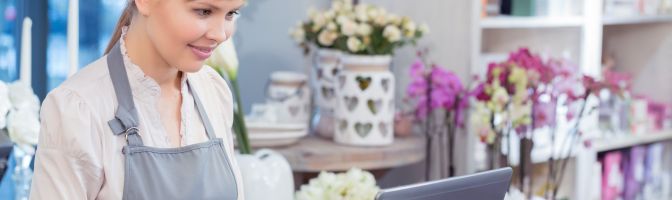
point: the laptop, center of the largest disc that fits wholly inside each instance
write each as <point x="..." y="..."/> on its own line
<point x="489" y="185"/>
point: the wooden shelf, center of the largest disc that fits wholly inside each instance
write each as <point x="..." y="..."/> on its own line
<point x="624" y="141"/>
<point x="506" y="22"/>
<point x="635" y="20"/>
<point x="315" y="154"/>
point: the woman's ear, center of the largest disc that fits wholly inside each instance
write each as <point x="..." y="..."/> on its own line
<point x="144" y="6"/>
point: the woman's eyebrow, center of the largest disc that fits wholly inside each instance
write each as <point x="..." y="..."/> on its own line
<point x="208" y="3"/>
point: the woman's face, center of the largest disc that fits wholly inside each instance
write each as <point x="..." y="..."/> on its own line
<point x="185" y="32"/>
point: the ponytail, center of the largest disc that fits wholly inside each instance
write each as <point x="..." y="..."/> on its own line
<point x="124" y="20"/>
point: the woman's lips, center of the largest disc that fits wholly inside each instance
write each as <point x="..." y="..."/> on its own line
<point x="202" y="53"/>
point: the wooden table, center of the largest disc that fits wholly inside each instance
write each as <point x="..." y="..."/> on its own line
<point x="313" y="154"/>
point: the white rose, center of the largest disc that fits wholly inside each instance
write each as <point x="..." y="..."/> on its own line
<point x="364" y="29"/>
<point x="380" y="20"/>
<point x="318" y="22"/>
<point x="327" y="38"/>
<point x="298" y="34"/>
<point x="341" y="19"/>
<point x="5" y="104"/>
<point x="424" y="29"/>
<point x="22" y="97"/>
<point x="23" y="126"/>
<point x="308" y="192"/>
<point x="373" y="12"/>
<point x="347" y="6"/>
<point x="332" y="26"/>
<point x="329" y="15"/>
<point x="349" y="28"/>
<point x="410" y="29"/>
<point x="337" y="5"/>
<point x="361" y="11"/>
<point x="394" y="19"/>
<point x="312" y="13"/>
<point x="392" y="33"/>
<point x="354" y="44"/>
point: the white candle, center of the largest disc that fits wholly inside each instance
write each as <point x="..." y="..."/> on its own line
<point x="73" y="36"/>
<point x="26" y="54"/>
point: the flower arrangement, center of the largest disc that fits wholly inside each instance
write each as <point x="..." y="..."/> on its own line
<point x="523" y="93"/>
<point x="506" y="94"/>
<point x="225" y="61"/>
<point x="357" y="29"/>
<point x="19" y="114"/>
<point x="355" y="184"/>
<point x="436" y="89"/>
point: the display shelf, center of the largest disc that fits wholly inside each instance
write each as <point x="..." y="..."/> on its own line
<point x="625" y="141"/>
<point x="504" y="22"/>
<point x="607" y="20"/>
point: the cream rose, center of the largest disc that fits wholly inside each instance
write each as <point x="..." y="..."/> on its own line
<point x="410" y="28"/>
<point x="349" y="28"/>
<point x="327" y="38"/>
<point x="354" y="44"/>
<point x="361" y="11"/>
<point x="298" y="34"/>
<point x="392" y="33"/>
<point x="364" y="29"/>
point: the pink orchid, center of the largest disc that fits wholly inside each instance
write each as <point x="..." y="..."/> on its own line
<point x="446" y="88"/>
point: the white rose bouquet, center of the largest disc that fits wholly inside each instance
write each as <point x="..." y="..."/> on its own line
<point x="357" y="29"/>
<point x="355" y="184"/>
<point x="19" y="113"/>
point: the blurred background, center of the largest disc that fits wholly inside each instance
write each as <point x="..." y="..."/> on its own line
<point x="620" y="150"/>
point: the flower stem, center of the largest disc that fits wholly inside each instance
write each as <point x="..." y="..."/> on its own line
<point x="574" y="136"/>
<point x="239" y="121"/>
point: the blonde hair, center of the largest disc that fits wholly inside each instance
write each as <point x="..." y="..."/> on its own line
<point x="124" y="20"/>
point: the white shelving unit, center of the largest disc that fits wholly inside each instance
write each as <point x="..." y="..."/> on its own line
<point x="625" y="141"/>
<point x="591" y="28"/>
<point x="635" y="20"/>
<point x="530" y="22"/>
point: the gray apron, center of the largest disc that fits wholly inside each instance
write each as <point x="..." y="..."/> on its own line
<point x="198" y="171"/>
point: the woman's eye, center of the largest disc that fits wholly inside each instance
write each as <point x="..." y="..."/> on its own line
<point x="203" y="12"/>
<point x="231" y="15"/>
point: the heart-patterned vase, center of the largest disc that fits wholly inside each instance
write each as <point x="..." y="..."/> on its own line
<point x="327" y="66"/>
<point x="289" y="93"/>
<point x="365" y="101"/>
<point x="266" y="175"/>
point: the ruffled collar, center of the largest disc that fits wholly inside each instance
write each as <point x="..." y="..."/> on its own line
<point x="142" y="85"/>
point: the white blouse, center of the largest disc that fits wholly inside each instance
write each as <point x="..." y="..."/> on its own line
<point x="78" y="156"/>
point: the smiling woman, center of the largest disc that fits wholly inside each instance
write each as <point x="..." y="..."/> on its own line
<point x="156" y="140"/>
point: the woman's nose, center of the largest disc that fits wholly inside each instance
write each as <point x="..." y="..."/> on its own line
<point x="221" y="32"/>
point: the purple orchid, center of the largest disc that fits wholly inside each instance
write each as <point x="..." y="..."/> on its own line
<point x="446" y="88"/>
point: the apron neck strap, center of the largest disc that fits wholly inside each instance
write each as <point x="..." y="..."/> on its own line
<point x="201" y="111"/>
<point x="126" y="117"/>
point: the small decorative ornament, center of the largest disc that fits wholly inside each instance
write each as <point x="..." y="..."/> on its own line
<point x="288" y="92"/>
<point x="327" y="64"/>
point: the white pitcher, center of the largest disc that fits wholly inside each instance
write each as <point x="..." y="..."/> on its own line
<point x="266" y="175"/>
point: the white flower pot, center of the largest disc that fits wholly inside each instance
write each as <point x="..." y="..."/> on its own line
<point x="266" y="175"/>
<point x="365" y="101"/>
<point x="289" y="94"/>
<point x="327" y="66"/>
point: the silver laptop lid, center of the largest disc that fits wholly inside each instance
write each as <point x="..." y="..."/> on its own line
<point x="489" y="185"/>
